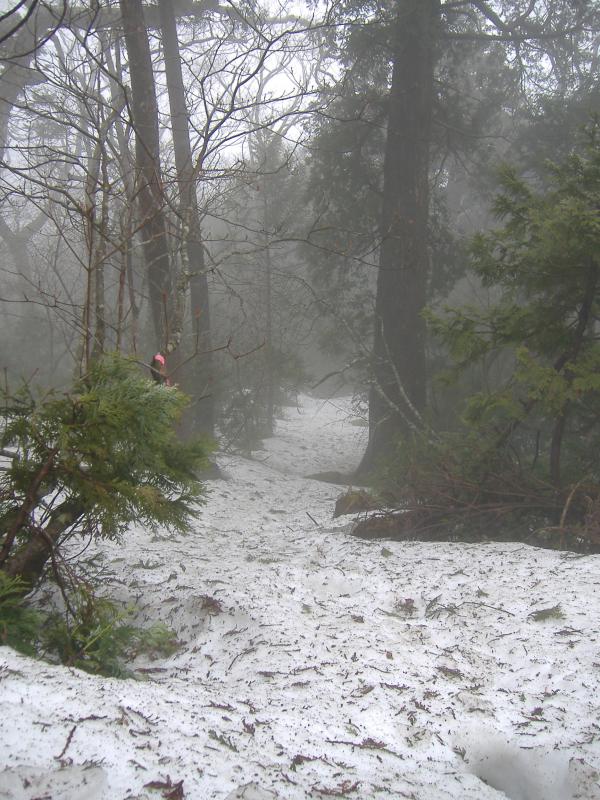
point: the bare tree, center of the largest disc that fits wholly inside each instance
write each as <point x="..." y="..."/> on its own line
<point x="194" y="266"/>
<point x="148" y="178"/>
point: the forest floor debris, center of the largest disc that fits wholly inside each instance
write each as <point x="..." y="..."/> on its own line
<point x="312" y="663"/>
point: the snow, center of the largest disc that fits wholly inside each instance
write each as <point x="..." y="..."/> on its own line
<point x="316" y="664"/>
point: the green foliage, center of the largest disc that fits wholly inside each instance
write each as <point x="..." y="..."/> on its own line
<point x="422" y="469"/>
<point x="460" y="486"/>
<point x="20" y="625"/>
<point x="107" y="448"/>
<point x="526" y="462"/>
<point x="96" y="636"/>
<point x="543" y="269"/>
<point x="542" y="614"/>
<point x="89" y="462"/>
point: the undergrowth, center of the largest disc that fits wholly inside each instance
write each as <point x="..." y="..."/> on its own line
<point x="458" y="487"/>
<point x="96" y="634"/>
<point x="86" y="463"/>
<point x="20" y="625"/>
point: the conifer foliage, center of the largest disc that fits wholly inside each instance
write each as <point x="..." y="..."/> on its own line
<point x="91" y="461"/>
<point x="544" y="269"/>
<point x="525" y="461"/>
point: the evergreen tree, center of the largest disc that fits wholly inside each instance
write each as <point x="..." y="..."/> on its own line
<point x="415" y="37"/>
<point x="543" y="266"/>
<point x="524" y="464"/>
<point x="91" y="461"/>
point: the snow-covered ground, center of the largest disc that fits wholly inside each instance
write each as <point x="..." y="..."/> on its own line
<point x="315" y="664"/>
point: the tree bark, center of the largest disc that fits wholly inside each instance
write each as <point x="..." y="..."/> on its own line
<point x="269" y="360"/>
<point x="202" y="366"/>
<point x="558" y="433"/>
<point x="398" y="391"/>
<point x="148" y="182"/>
<point x="29" y="561"/>
<point x="126" y="218"/>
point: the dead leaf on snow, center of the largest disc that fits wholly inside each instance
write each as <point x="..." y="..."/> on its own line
<point x="341" y="790"/>
<point x="170" y="790"/>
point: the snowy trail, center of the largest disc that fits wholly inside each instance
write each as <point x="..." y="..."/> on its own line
<point x="314" y="664"/>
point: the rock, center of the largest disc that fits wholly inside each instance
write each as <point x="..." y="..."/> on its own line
<point x="355" y="501"/>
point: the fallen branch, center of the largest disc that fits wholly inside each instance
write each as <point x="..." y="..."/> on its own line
<point x="367" y="744"/>
<point x="67" y="743"/>
<point x="345" y="788"/>
<point x="239" y="655"/>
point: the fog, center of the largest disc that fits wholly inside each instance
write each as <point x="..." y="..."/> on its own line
<point x="284" y="115"/>
<point x="390" y="204"/>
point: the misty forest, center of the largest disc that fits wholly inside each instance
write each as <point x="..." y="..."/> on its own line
<point x="389" y="205"/>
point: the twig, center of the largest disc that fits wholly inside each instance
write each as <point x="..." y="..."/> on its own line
<point x="366" y="744"/>
<point x="485" y="605"/>
<point x="565" y="511"/>
<point x="239" y="655"/>
<point x="67" y="743"/>
<point x="219" y="737"/>
<point x="502" y="636"/>
<point x="345" y="788"/>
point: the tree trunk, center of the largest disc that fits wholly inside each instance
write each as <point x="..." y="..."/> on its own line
<point x="148" y="172"/>
<point x="398" y="390"/>
<point x="556" y="446"/>
<point x="269" y="360"/>
<point x="29" y="561"/>
<point x="202" y="366"/>
<point x="269" y="374"/>
<point x="127" y="216"/>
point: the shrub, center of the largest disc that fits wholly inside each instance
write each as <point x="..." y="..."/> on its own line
<point x="544" y="268"/>
<point x="458" y="486"/>
<point x="20" y="625"/>
<point x="90" y="462"/>
<point x="96" y="636"/>
<point x="526" y="462"/>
